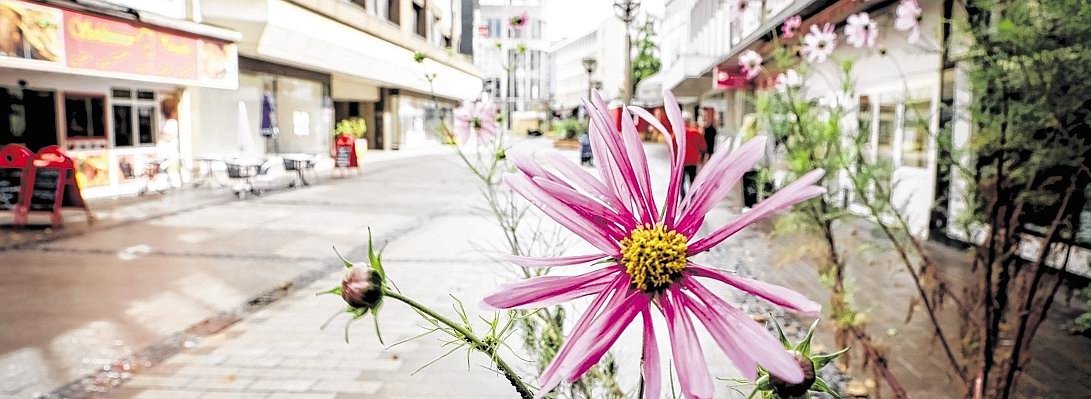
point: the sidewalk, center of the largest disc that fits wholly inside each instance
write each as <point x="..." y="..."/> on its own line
<point x="113" y="212"/>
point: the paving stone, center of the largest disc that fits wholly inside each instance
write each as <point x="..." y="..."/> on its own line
<point x="158" y="381"/>
<point x="229" y="383"/>
<point x="234" y="395"/>
<point x="343" y="386"/>
<point x="284" y="395"/>
<point x="284" y="385"/>
<point x="167" y="394"/>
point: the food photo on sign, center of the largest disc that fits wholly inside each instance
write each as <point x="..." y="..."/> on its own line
<point x="30" y="32"/>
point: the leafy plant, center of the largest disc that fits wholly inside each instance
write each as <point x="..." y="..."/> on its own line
<point x="352" y="127"/>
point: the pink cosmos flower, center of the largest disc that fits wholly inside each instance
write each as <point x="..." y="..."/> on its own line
<point x="909" y="19"/>
<point x="646" y="255"/>
<point x="519" y="21"/>
<point x="475" y="119"/>
<point x="750" y="61"/>
<point x="790" y="26"/>
<point x="861" y="31"/>
<point x="819" y="44"/>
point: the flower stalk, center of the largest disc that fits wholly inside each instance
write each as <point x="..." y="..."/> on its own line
<point x="489" y="348"/>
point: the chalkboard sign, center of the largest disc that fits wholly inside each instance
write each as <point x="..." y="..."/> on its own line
<point x="344" y="156"/>
<point x="13" y="160"/>
<point x="43" y="195"/>
<point x="11" y="181"/>
<point x="49" y="183"/>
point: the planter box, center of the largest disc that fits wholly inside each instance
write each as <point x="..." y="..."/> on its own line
<point x="567" y="144"/>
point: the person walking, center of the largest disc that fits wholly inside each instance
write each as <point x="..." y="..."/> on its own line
<point x="694" y="153"/>
<point x="710" y="135"/>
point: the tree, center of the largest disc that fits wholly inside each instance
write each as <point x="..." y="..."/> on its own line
<point x="646" y="63"/>
<point x="1030" y="167"/>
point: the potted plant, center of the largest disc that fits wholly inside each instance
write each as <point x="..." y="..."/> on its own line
<point x="568" y="132"/>
<point x="354" y="128"/>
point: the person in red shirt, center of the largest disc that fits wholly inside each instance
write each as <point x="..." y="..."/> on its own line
<point x="694" y="152"/>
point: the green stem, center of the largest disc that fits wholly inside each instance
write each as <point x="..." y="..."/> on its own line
<point x="471" y="339"/>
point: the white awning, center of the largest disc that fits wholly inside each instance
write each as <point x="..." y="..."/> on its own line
<point x="293" y="35"/>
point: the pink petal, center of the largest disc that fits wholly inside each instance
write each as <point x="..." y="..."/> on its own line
<point x="773" y="293"/>
<point x="593" y="211"/>
<point x="689" y="360"/>
<point x="652" y="120"/>
<point x="639" y="162"/>
<point x="746" y="342"/>
<point x="549" y="290"/>
<point x="552" y="261"/>
<point x="678" y="130"/>
<point x="551" y="376"/>
<point x="612" y="161"/>
<point x="586" y="182"/>
<point x="716" y="180"/>
<point x="529" y="166"/>
<point x="602" y="335"/>
<point x="562" y="213"/>
<point x="799" y="191"/>
<point x="624" y="160"/>
<point x="653" y="372"/>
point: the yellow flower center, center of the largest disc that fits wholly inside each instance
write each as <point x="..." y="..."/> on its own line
<point x="653" y="256"/>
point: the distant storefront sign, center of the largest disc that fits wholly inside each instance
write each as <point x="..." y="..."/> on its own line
<point x="35" y="36"/>
<point x="729" y="78"/>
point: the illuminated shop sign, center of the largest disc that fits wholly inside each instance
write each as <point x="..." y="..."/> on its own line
<point x="33" y="36"/>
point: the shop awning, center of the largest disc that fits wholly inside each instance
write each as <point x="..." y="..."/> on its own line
<point x="112" y="44"/>
<point x="282" y="32"/>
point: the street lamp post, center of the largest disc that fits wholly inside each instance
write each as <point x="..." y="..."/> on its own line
<point x="626" y="12"/>
<point x="589" y="64"/>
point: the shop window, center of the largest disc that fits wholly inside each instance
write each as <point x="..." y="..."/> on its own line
<point x="134" y="117"/>
<point x="123" y="125"/>
<point x="884" y="132"/>
<point x="28" y="117"/>
<point x="84" y="116"/>
<point x="915" y="134"/>
<point x="145" y="123"/>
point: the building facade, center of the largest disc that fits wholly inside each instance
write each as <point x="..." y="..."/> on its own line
<point x="315" y="63"/>
<point x="112" y="83"/>
<point x="606" y="45"/>
<point x="514" y="61"/>
<point x="905" y="94"/>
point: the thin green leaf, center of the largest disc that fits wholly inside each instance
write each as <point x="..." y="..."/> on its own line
<point x="821" y="361"/>
<point x="433" y="361"/>
<point x="804" y="346"/>
<point x="378" y="333"/>
<point x="332" y="291"/>
<point x="348" y="265"/>
<point x="780" y="334"/>
<point x="821" y="386"/>
<point x="376" y="261"/>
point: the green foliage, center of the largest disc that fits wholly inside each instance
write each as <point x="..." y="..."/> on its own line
<point x="570" y="128"/>
<point x="1083" y="321"/>
<point x="1032" y="101"/>
<point x="646" y="62"/>
<point x="352" y="127"/>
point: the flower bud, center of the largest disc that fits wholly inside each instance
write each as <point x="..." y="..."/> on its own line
<point x="361" y="288"/>
<point x="788" y="390"/>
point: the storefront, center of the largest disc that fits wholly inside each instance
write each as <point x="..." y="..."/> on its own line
<point x="276" y="109"/>
<point x="111" y="90"/>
